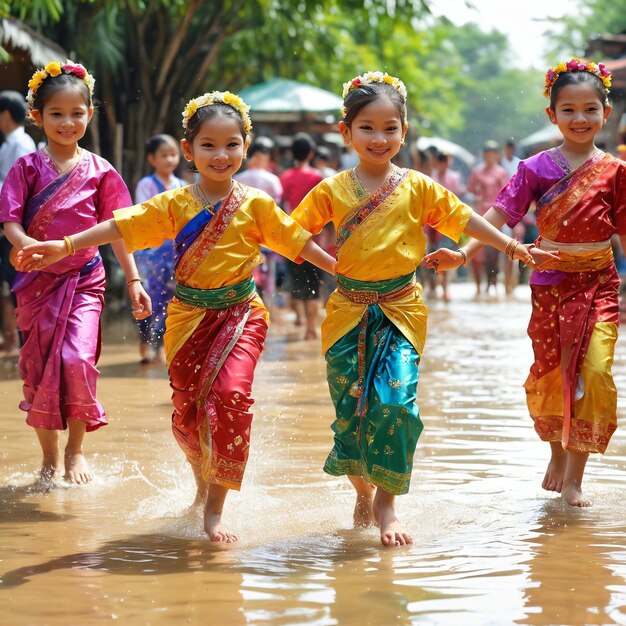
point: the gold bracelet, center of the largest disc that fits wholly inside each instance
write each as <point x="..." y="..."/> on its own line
<point x="69" y="246"/>
<point x="133" y="280"/>
<point x="511" y="247"/>
<point x="463" y="254"/>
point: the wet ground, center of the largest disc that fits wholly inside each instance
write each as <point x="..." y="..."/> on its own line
<point x="491" y="547"/>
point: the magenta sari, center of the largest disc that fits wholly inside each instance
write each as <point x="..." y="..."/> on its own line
<point x="58" y="310"/>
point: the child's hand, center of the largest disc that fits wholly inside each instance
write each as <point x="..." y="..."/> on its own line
<point x="539" y="257"/>
<point x="36" y="256"/>
<point x="142" y="305"/>
<point x="522" y="254"/>
<point x="443" y="260"/>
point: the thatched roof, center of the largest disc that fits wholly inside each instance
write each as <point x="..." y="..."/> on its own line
<point x="15" y="34"/>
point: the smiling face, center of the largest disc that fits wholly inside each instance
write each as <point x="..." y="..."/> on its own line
<point x="376" y="132"/>
<point x="64" y="117"/>
<point x="217" y="149"/>
<point x="579" y="114"/>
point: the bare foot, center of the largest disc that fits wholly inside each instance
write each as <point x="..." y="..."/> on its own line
<point x="310" y="334"/>
<point x="391" y="533"/>
<point x="77" y="469"/>
<point x="573" y="495"/>
<point x="215" y="530"/>
<point x="363" y="511"/>
<point x="553" y="479"/>
<point x="47" y="476"/>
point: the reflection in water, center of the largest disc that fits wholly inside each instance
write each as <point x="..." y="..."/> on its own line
<point x="572" y="578"/>
<point x="491" y="546"/>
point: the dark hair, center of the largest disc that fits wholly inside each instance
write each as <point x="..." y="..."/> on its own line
<point x="15" y="103"/>
<point x="264" y="145"/>
<point x="359" y="98"/>
<point x="302" y="146"/>
<point x="575" y="77"/>
<point x="442" y="157"/>
<point x="206" y="113"/>
<point x="52" y="84"/>
<point x="156" y="141"/>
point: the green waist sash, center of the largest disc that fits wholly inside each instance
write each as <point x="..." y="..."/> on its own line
<point x="372" y="292"/>
<point x="219" y="298"/>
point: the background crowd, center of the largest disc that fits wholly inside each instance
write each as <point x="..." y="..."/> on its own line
<point x="286" y="168"/>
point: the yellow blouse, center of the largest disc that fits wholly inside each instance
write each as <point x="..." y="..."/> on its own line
<point x="257" y="222"/>
<point x="389" y="243"/>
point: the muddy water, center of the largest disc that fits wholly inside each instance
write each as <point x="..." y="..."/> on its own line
<point x="491" y="546"/>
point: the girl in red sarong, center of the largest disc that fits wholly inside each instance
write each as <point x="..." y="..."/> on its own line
<point x="580" y="194"/>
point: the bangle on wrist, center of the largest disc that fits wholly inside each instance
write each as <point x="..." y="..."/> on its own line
<point x="133" y="280"/>
<point x="70" y="248"/>
<point x="463" y="254"/>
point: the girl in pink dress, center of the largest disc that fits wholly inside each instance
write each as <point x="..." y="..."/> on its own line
<point x="57" y="190"/>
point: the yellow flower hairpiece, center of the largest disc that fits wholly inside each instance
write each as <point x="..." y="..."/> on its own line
<point x="374" y="77"/>
<point x="209" y="99"/>
<point x="577" y="65"/>
<point x="55" y="68"/>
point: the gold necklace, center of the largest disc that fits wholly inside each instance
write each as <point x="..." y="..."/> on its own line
<point x="204" y="199"/>
<point x="73" y="161"/>
<point x="361" y="182"/>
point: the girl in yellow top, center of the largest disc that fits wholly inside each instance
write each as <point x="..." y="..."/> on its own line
<point x="375" y="326"/>
<point x="216" y="322"/>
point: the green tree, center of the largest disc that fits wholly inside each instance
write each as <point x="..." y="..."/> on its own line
<point x="150" y="56"/>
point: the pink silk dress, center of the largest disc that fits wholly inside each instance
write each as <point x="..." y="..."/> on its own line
<point x="58" y="310"/>
<point x="570" y="391"/>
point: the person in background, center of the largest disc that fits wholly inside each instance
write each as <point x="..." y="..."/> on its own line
<point x="511" y="272"/>
<point x="156" y="265"/>
<point x="305" y="278"/>
<point x="258" y="174"/>
<point x="323" y="160"/>
<point x="451" y="180"/>
<point x="510" y="160"/>
<point x="485" y="182"/>
<point x="17" y="143"/>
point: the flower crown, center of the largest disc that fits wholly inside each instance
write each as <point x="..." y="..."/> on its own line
<point x="374" y="77"/>
<point x="55" y="68"/>
<point x="209" y="99"/>
<point x="577" y="65"/>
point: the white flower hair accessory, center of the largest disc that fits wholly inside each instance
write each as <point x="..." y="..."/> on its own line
<point x="374" y="77"/>
<point x="225" y="97"/>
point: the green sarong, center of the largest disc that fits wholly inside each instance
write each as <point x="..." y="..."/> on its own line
<point x="372" y="374"/>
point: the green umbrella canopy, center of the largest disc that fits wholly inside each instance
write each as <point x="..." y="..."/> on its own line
<point x="280" y="95"/>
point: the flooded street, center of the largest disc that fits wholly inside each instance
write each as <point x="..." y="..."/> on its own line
<point x="491" y="547"/>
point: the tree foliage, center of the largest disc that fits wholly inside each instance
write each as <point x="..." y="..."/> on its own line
<point x="150" y="56"/>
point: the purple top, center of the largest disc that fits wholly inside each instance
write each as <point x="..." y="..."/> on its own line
<point x="533" y="178"/>
<point x="602" y="214"/>
<point x="51" y="205"/>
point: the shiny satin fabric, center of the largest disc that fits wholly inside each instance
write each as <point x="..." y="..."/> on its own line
<point x="59" y="318"/>
<point x="86" y="195"/>
<point x="570" y="391"/>
<point x="58" y="311"/>
<point x="377" y="422"/>
<point x="388" y="243"/>
<point x="258" y="221"/>
<point x="211" y="377"/>
<point x="211" y="353"/>
<point x="571" y="394"/>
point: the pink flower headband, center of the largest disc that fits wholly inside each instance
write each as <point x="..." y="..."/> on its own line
<point x="577" y="65"/>
<point x="55" y="68"/>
